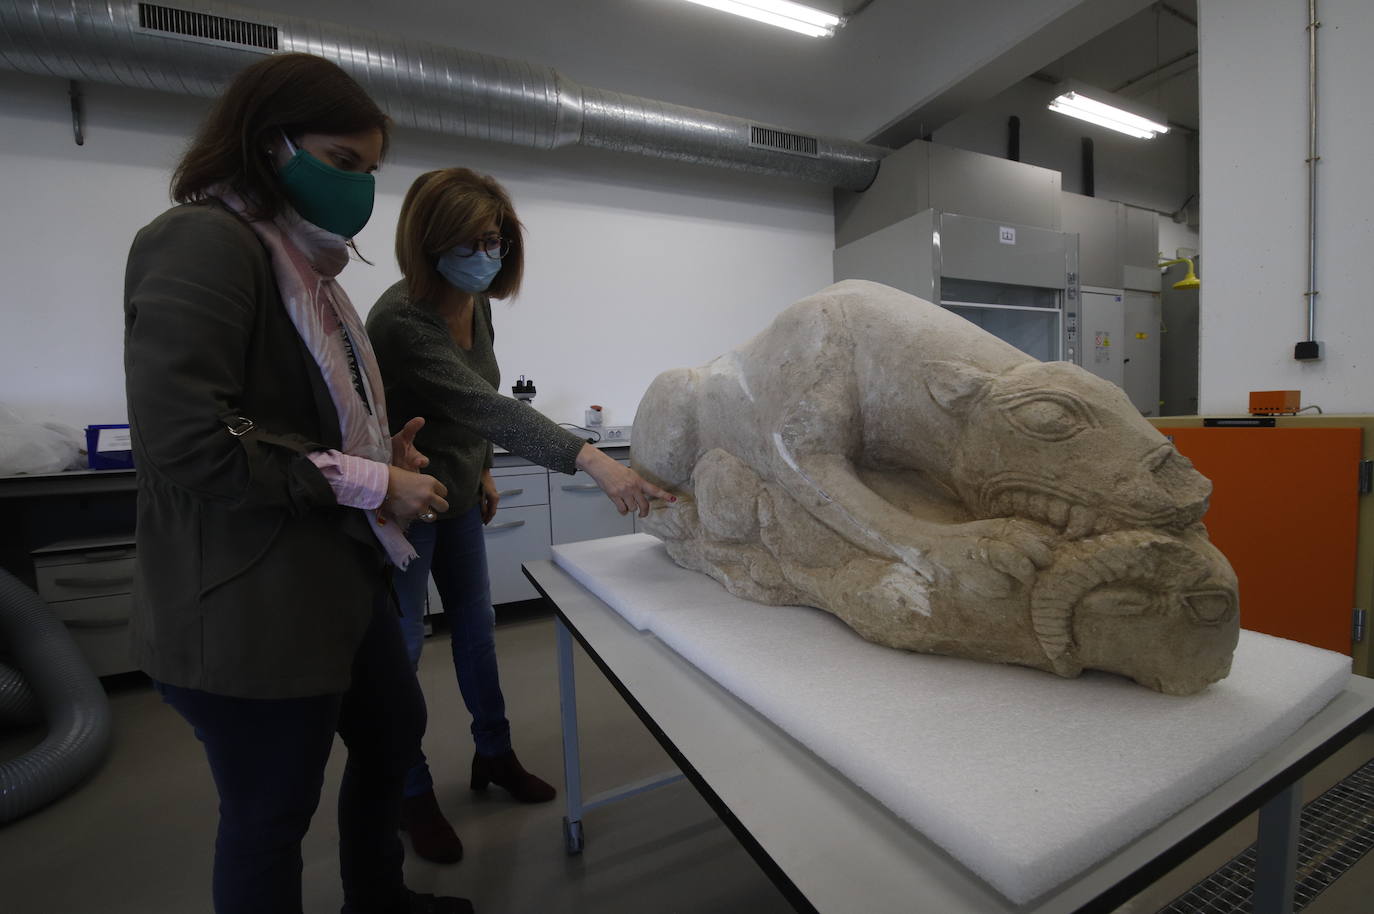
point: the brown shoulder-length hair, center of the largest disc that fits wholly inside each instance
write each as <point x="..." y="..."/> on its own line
<point x="285" y="93"/>
<point x="444" y="209"/>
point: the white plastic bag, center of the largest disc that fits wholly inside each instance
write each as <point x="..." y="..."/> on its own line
<point x="36" y="447"/>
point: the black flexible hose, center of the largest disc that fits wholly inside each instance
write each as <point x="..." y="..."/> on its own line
<point x="18" y="705"/>
<point x="72" y="699"/>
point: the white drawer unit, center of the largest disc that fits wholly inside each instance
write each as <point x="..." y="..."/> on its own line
<point x="518" y="490"/>
<point x="539" y="508"/>
<point x="515" y="535"/>
<point x="88" y="584"/>
<point x="581" y="511"/>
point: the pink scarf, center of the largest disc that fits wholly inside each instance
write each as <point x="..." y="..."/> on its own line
<point x="305" y="259"/>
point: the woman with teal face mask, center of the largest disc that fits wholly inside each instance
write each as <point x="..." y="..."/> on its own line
<point x="460" y="245"/>
<point x="272" y="494"/>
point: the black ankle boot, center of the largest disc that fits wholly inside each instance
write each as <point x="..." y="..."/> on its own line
<point x="430" y="834"/>
<point x="506" y="771"/>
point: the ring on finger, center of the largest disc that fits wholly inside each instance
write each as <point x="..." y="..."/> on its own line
<point x="428" y="517"/>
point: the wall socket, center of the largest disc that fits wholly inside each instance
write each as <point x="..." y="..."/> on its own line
<point x="615" y="432"/>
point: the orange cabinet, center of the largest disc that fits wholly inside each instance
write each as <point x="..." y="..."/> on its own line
<point x="1285" y="512"/>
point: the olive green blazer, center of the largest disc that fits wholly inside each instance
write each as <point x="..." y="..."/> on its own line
<point x="251" y="580"/>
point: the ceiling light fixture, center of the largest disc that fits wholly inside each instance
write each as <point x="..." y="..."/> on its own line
<point x="782" y="13"/>
<point x="1076" y="104"/>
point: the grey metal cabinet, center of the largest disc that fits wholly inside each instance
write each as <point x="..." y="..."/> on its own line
<point x="515" y="535"/>
<point x="518" y="533"/>
<point x="579" y="510"/>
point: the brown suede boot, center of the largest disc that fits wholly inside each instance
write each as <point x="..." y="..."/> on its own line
<point x="430" y="834"/>
<point x="506" y="771"/>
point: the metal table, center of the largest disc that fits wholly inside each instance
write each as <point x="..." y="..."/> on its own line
<point x="830" y="847"/>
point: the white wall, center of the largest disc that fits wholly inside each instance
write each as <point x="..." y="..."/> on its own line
<point x="1148" y="173"/>
<point x="1254" y="133"/>
<point x="633" y="265"/>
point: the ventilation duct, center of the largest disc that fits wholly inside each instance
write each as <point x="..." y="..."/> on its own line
<point x="195" y="51"/>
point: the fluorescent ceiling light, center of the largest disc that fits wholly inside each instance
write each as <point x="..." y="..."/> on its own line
<point x="781" y="13"/>
<point x="1075" y="104"/>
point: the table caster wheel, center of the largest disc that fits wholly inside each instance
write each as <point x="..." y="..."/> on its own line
<point x="572" y="836"/>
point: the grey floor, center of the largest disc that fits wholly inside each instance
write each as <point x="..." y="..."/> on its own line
<point x="137" y="839"/>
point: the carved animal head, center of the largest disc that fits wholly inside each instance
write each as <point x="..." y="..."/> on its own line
<point x="1051" y="442"/>
<point x="1160" y="609"/>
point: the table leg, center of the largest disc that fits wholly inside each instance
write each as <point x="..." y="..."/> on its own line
<point x="572" y="760"/>
<point x="1276" y="859"/>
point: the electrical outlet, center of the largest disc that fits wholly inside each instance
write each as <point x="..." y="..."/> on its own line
<point x="616" y="433"/>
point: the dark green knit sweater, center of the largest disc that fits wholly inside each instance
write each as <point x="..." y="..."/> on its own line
<point x="457" y="392"/>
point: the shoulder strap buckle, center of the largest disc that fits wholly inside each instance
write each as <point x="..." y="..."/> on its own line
<point x="241" y="426"/>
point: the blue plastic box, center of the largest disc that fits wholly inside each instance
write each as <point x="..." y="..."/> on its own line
<point x="106" y="460"/>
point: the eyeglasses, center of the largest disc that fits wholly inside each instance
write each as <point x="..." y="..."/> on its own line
<point x="494" y="246"/>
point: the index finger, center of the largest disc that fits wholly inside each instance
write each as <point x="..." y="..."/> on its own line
<point x="654" y="491"/>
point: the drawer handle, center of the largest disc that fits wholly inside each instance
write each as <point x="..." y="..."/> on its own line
<point x="108" y="555"/>
<point x="509" y="492"/>
<point x="588" y="487"/>
<point x="93" y="583"/>
<point x="507" y="525"/>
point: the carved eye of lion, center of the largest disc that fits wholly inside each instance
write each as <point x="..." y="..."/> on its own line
<point x="1048" y="418"/>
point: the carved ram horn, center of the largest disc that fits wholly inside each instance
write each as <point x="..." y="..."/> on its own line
<point x="1146" y="558"/>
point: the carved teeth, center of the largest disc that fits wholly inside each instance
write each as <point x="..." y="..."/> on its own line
<point x="1058" y="514"/>
<point x="1081" y="522"/>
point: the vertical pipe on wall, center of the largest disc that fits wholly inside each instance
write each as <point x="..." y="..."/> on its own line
<point x="1089" y="173"/>
<point x="1312" y="159"/>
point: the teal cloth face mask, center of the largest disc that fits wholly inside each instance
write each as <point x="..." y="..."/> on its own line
<point x="337" y="201"/>
<point x="471" y="271"/>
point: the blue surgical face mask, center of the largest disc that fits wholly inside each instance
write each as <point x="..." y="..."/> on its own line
<point x="337" y="201"/>
<point x="471" y="272"/>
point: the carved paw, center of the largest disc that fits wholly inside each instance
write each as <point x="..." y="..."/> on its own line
<point x="991" y="558"/>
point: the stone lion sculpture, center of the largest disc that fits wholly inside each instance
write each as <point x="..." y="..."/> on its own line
<point x="879" y="457"/>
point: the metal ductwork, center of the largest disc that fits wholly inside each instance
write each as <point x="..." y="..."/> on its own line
<point x="196" y="50"/>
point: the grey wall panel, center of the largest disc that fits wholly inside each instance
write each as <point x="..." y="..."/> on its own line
<point x="986" y="187"/>
<point x="899" y="256"/>
<point x="922" y="176"/>
<point x="1099" y="225"/>
<point x="1141" y="242"/>
<point x="976" y="249"/>
<point x="901" y="189"/>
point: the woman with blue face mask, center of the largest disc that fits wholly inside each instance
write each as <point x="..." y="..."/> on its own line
<point x="460" y="245"/>
<point x="272" y="495"/>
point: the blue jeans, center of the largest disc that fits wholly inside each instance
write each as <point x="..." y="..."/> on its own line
<point x="455" y="552"/>
<point x="268" y="756"/>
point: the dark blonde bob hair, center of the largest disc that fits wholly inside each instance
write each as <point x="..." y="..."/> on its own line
<point x="447" y="208"/>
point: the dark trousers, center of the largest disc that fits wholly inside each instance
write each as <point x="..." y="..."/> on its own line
<point x="455" y="551"/>
<point x="268" y="759"/>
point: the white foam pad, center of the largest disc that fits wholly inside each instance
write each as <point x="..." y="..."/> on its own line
<point x="1025" y="778"/>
